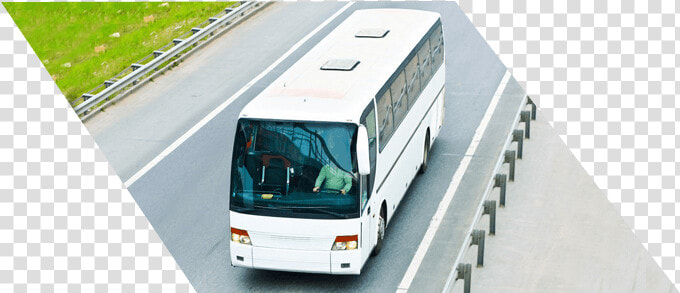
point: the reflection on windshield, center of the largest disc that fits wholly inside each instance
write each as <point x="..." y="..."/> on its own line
<point x="294" y="169"/>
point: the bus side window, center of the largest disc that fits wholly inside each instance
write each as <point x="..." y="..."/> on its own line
<point x="240" y="146"/>
<point x="364" y="192"/>
<point x="437" y="41"/>
<point x="399" y="98"/>
<point x="412" y="81"/>
<point x="385" y="122"/>
<point x="425" y="63"/>
<point x="368" y="120"/>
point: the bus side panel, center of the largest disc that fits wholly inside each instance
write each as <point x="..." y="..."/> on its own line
<point x="437" y="118"/>
<point x="406" y="159"/>
<point x="440" y="108"/>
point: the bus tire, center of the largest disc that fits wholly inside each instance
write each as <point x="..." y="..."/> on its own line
<point x="381" y="233"/>
<point x="426" y="154"/>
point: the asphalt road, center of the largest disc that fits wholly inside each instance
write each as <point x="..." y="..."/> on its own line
<point x="185" y="196"/>
<point x="136" y="129"/>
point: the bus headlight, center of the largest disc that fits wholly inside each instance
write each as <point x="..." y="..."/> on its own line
<point x="339" y="246"/>
<point x="240" y="236"/>
<point x="346" y="242"/>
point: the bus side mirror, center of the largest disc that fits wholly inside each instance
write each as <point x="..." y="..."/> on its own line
<point x="362" y="151"/>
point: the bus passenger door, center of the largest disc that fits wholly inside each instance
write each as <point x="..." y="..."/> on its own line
<point x="373" y="219"/>
<point x="371" y="206"/>
<point x="367" y="237"/>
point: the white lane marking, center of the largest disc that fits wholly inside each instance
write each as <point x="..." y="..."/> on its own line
<point x="455" y="182"/>
<point x="466" y="243"/>
<point x="231" y="99"/>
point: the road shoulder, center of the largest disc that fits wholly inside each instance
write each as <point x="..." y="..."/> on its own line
<point x="559" y="233"/>
<point x="437" y="263"/>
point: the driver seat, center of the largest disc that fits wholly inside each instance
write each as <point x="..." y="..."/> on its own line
<point x="275" y="173"/>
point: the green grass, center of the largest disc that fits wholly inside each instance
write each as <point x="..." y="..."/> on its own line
<point x="62" y="33"/>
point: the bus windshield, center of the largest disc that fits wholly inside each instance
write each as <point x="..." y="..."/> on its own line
<point x="295" y="169"/>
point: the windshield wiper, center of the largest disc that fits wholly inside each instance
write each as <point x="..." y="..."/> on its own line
<point x="255" y="207"/>
<point x="316" y="209"/>
<point x="322" y="210"/>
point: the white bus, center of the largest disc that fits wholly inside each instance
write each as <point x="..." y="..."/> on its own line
<point x="323" y="156"/>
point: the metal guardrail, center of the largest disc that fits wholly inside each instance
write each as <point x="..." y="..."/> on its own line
<point x="488" y="207"/>
<point x="160" y="60"/>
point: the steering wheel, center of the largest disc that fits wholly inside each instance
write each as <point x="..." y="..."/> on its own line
<point x="331" y="190"/>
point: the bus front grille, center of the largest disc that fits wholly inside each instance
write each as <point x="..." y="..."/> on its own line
<point x="291" y="241"/>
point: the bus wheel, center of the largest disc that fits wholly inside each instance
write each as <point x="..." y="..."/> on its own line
<point x="426" y="153"/>
<point x="381" y="233"/>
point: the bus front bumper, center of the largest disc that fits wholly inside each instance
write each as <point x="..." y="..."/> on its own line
<point x="323" y="262"/>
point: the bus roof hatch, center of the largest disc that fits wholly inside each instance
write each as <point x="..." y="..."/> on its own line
<point x="340" y="64"/>
<point x="372" y="33"/>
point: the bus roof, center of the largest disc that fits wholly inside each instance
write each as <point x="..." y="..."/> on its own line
<point x="306" y="92"/>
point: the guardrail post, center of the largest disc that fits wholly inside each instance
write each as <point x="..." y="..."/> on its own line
<point x="500" y="181"/>
<point x="135" y="66"/>
<point x="195" y="30"/>
<point x="525" y="117"/>
<point x="510" y="159"/>
<point x="490" y="209"/>
<point x="533" y="108"/>
<point x="518" y="136"/>
<point x="478" y="239"/>
<point x="124" y="79"/>
<point x="464" y="271"/>
<point x="85" y="98"/>
<point x="108" y="83"/>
